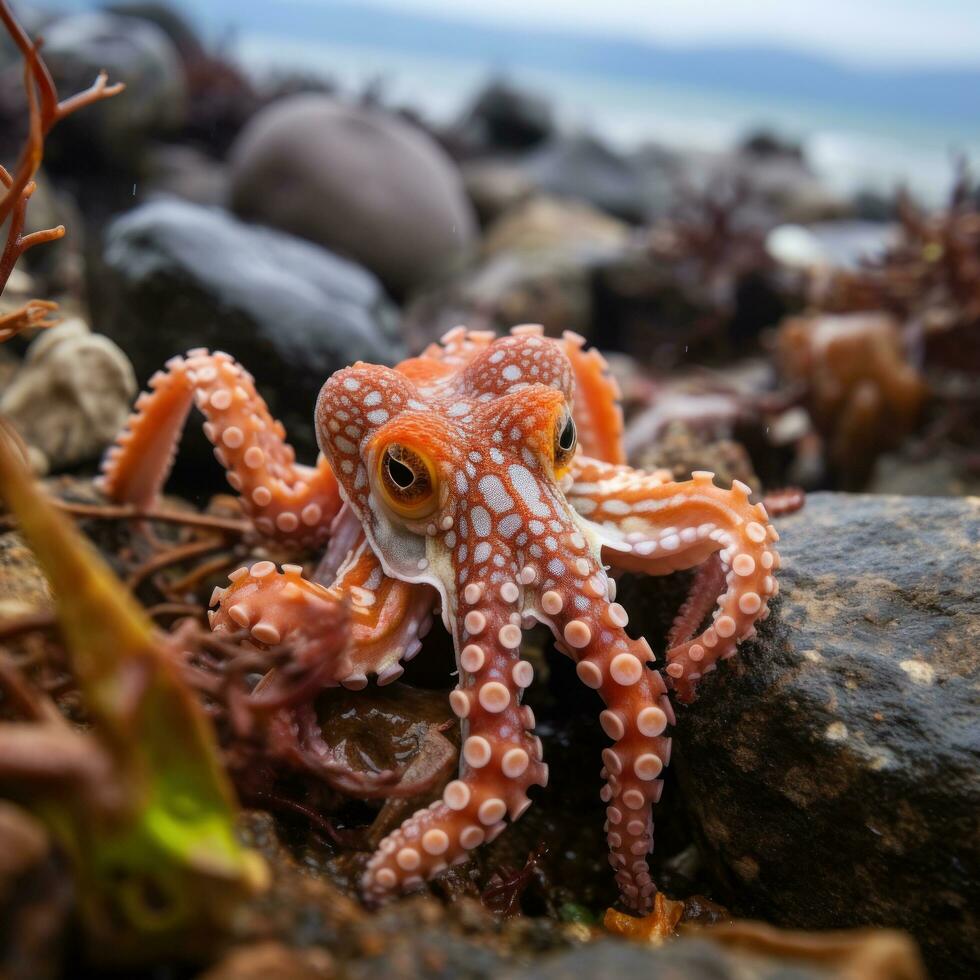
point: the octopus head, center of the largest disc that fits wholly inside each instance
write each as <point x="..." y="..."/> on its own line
<point x="455" y="472"/>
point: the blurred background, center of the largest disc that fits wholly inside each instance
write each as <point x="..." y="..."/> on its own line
<point x="875" y="93"/>
<point x="762" y="212"/>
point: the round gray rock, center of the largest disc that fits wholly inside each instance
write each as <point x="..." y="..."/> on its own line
<point x="833" y="768"/>
<point x="358" y="181"/>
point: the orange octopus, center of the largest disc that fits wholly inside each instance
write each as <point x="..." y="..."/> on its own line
<point x="486" y="479"/>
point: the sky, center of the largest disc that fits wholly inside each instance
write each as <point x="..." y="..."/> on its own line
<point x="879" y="32"/>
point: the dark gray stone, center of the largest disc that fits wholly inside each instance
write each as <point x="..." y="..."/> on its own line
<point x="832" y="768"/>
<point x="504" y="118"/>
<point x="582" y="168"/>
<point x="680" y="959"/>
<point x="113" y="132"/>
<point x="179" y="276"/>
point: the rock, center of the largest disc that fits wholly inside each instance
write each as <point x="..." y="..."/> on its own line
<point x="550" y="286"/>
<point x="774" y="182"/>
<point x="832" y="768"/>
<point x="72" y="394"/>
<point x="782" y="183"/>
<point x="59" y="267"/>
<point x="112" y="133"/>
<point x="503" y="118"/>
<point x="698" y="286"/>
<point x="271" y="960"/>
<point x="220" y="97"/>
<point x="179" y="276"/>
<point x="545" y="222"/>
<point x="950" y="471"/>
<point x="174" y="170"/>
<point x="494" y="186"/>
<point x="414" y="937"/>
<point x="162" y="15"/>
<point x="877" y="955"/>
<point x="537" y="266"/>
<point x="682" y="448"/>
<point x="661" y="173"/>
<point x="765" y="144"/>
<point x="582" y="168"/>
<point x="356" y="180"/>
<point x="24" y="589"/>
<point x="35" y="22"/>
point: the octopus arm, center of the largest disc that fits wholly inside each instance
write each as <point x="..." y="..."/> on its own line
<point x="500" y="760"/>
<point x="647" y="524"/>
<point x="288" y="502"/>
<point x="597" y="412"/>
<point x="279" y="606"/>
<point x="637" y="714"/>
<point x="331" y="639"/>
<point x="389" y="618"/>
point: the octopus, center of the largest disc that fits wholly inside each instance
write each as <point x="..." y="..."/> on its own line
<point x="483" y="481"/>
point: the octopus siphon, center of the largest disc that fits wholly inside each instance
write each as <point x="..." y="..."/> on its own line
<point x="484" y="479"/>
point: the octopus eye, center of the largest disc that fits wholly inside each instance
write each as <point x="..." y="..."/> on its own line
<point x="566" y="439"/>
<point x="408" y="481"/>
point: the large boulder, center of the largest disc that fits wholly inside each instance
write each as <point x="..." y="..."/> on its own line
<point x="179" y="276"/>
<point x="356" y="180"/>
<point x="136" y="52"/>
<point x="832" y="768"/>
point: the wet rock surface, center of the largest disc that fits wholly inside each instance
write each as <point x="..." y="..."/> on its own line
<point x="832" y="767"/>
<point x="179" y="276"/>
<point x="305" y="927"/>
<point x="387" y="196"/>
<point x="694" y="959"/>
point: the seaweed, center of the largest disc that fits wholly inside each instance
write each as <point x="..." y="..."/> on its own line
<point x="929" y="279"/>
<point x="140" y="803"/>
<point x="45" y="110"/>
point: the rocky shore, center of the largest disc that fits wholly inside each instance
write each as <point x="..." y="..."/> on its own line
<point x="758" y="326"/>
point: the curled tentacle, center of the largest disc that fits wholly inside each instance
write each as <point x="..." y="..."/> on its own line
<point x="651" y="526"/>
<point x="389" y="618"/>
<point x="288" y="502"/>
<point x="282" y="607"/>
<point x="597" y="411"/>
<point x="318" y="624"/>
<point x="708" y="584"/>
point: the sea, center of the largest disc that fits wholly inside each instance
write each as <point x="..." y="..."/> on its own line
<point x="850" y="149"/>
